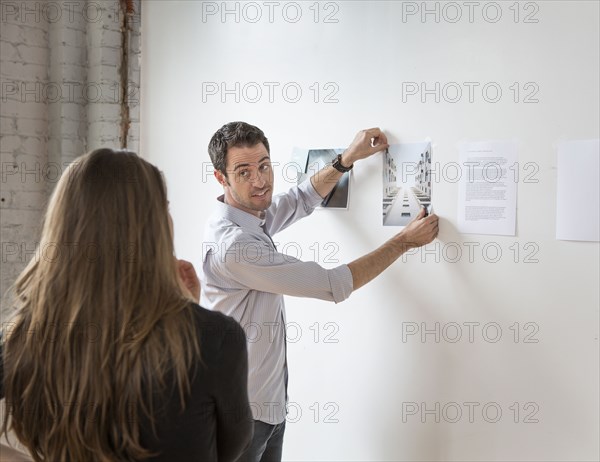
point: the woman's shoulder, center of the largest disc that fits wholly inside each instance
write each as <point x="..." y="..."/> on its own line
<point x="204" y="315"/>
<point x="216" y="326"/>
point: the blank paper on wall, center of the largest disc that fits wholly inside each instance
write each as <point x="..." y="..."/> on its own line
<point x="578" y="191"/>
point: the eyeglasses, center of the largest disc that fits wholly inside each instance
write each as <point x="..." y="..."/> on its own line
<point x="249" y="172"/>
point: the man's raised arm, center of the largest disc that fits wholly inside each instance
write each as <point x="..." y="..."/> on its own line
<point x="365" y="144"/>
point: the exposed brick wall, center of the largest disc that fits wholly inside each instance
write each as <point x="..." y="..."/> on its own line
<point x="60" y="83"/>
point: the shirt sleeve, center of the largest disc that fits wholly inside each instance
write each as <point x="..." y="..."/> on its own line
<point x="287" y="208"/>
<point x="256" y="265"/>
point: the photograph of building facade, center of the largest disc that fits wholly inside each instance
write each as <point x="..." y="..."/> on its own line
<point x="390" y="188"/>
<point x="406" y="182"/>
<point x="314" y="160"/>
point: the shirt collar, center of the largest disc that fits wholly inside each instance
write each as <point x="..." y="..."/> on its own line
<point x="237" y="216"/>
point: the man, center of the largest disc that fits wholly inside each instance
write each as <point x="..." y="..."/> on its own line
<point x="245" y="277"/>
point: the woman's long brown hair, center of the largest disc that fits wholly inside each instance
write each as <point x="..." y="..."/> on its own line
<point x="101" y="323"/>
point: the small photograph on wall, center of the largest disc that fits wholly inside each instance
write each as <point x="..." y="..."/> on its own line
<point x="310" y="161"/>
<point x="406" y="182"/>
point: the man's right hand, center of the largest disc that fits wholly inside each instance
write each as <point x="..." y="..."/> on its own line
<point x="420" y="231"/>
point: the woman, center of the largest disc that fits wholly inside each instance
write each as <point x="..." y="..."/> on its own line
<point x="107" y="357"/>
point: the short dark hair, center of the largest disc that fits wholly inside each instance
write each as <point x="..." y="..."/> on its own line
<point x="233" y="134"/>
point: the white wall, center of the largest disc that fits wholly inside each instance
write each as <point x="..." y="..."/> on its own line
<point x="366" y="379"/>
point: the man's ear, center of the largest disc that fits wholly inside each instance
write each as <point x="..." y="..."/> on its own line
<point x="221" y="178"/>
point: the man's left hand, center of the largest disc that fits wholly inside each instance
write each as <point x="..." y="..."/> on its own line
<point x="366" y="143"/>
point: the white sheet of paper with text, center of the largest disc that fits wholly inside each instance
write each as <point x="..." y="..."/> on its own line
<point x="578" y="191"/>
<point x="487" y="191"/>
